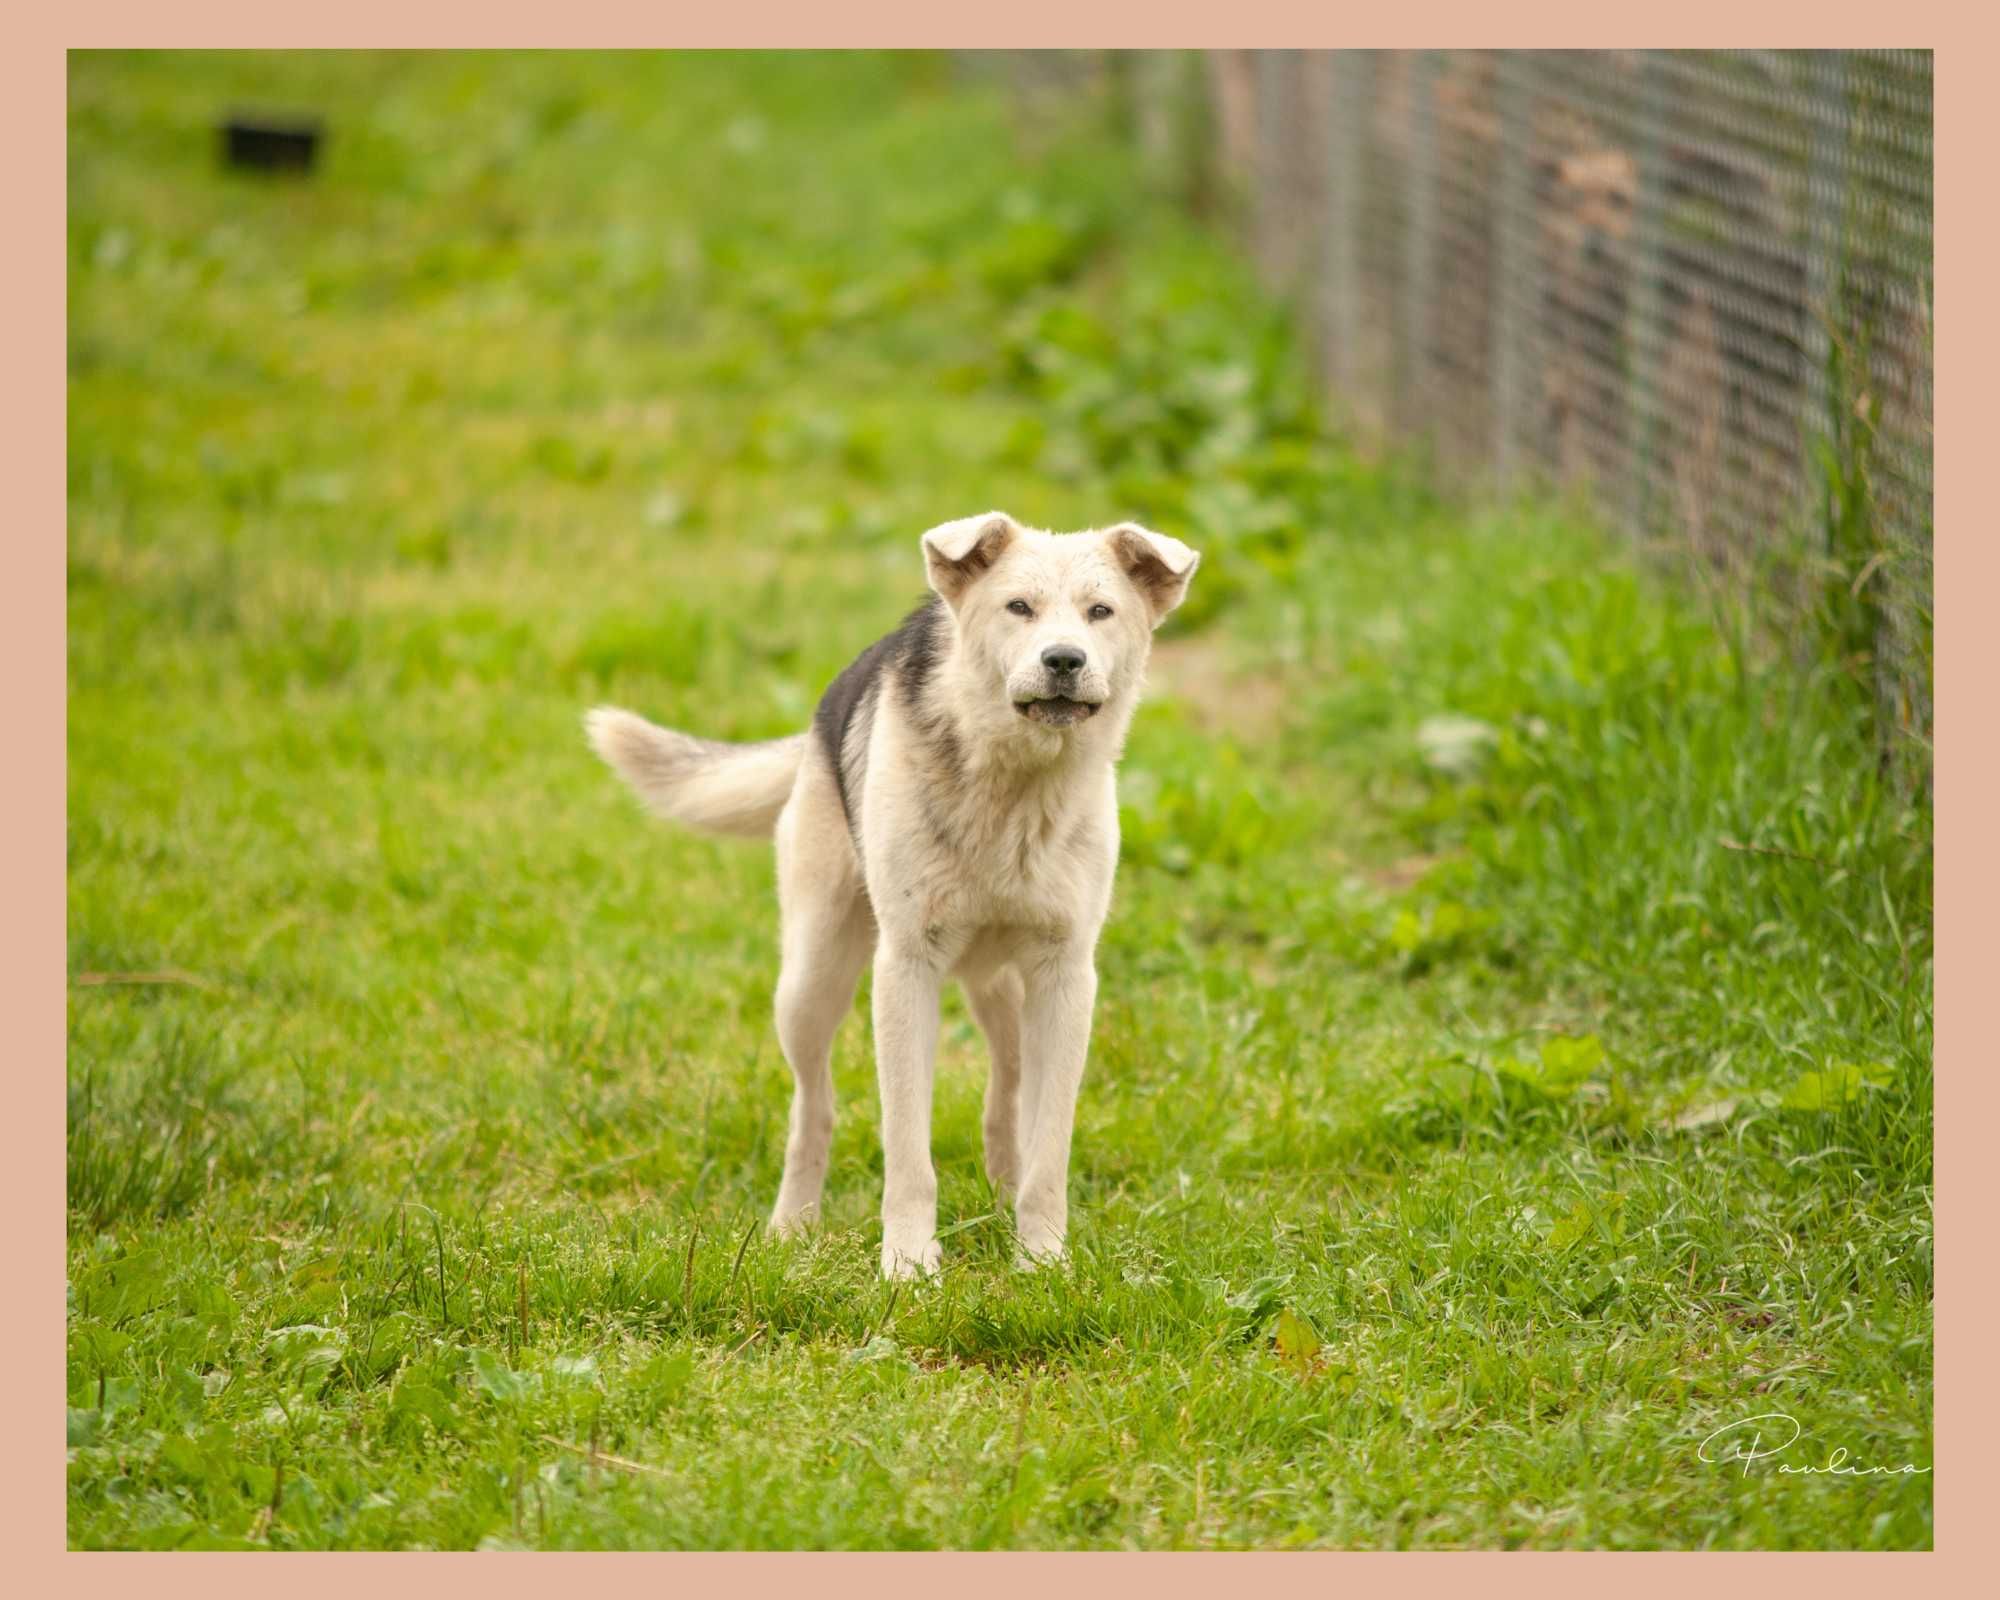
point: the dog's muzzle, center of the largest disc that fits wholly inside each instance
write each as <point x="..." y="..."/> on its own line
<point x="1065" y="691"/>
<point x="1057" y="710"/>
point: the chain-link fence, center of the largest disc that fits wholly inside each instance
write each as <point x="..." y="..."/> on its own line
<point x="1695" y="284"/>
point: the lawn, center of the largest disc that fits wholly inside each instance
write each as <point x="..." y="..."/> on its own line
<point x="1513" y="1058"/>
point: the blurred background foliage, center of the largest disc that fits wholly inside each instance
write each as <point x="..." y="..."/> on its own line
<point x="1691" y="288"/>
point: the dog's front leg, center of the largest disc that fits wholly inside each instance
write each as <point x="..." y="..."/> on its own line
<point x="906" y="1029"/>
<point x="1055" y="1041"/>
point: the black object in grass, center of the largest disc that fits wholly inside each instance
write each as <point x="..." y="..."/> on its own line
<point x="270" y="144"/>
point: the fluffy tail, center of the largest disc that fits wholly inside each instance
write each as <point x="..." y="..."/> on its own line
<point x="703" y="783"/>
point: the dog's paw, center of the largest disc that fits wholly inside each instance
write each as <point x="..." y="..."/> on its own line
<point x="904" y="1262"/>
<point x="1038" y="1244"/>
<point x="794" y="1224"/>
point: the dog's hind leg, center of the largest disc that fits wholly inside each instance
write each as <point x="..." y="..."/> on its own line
<point x="996" y="1005"/>
<point x="828" y="935"/>
<point x="825" y="949"/>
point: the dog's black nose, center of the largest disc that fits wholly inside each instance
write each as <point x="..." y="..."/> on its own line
<point x="1063" y="659"/>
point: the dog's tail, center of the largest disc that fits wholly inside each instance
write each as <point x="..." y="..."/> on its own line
<point x="703" y="783"/>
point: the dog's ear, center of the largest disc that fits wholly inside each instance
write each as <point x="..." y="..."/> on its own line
<point x="1158" y="565"/>
<point x="956" y="553"/>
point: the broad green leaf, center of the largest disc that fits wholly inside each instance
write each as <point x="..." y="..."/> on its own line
<point x="1584" y="1220"/>
<point x="1600" y="1291"/>
<point x="180" y="1454"/>
<point x="1260" y="1296"/>
<point x="1836" y="1086"/>
<point x="120" y="1394"/>
<point x="1521" y="1071"/>
<point x="1567" y="1062"/>
<point x="382" y="1347"/>
<point x="499" y="1380"/>
<point x="1297" y="1341"/>
<point x="1565" y="1066"/>
<point x="97" y="1346"/>
<point x="258" y="1479"/>
<point x="416" y="1399"/>
<point x="129" y="1286"/>
<point x="663" y="1378"/>
<point x="208" y="1301"/>
<point x="308" y="1348"/>
<point x="879" y="1348"/>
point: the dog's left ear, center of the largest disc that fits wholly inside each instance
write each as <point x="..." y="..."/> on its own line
<point x="1158" y="565"/>
<point x="956" y="553"/>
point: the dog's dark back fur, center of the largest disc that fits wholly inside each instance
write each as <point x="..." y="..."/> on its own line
<point x="847" y="709"/>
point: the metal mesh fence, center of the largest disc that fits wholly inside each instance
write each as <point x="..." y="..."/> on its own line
<point x="1695" y="285"/>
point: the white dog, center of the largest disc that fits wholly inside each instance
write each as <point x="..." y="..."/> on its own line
<point x="952" y="812"/>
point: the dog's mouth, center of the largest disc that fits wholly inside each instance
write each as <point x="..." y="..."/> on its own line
<point x="1058" y="711"/>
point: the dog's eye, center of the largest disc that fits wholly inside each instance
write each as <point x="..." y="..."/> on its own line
<point x="1099" y="612"/>
<point x="1020" y="608"/>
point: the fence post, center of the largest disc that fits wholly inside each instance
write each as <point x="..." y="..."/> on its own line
<point x="1270" y="209"/>
<point x="1196" y="132"/>
<point x="1826" y="215"/>
<point x="1419" y="286"/>
<point x="1644" y="335"/>
<point x="1343" y="228"/>
<point x="1153" y="90"/>
<point x="1232" y="89"/>
<point x="1513" y="200"/>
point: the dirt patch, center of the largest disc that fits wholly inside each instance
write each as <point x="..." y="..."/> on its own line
<point x="1219" y="697"/>
<point x="1400" y="875"/>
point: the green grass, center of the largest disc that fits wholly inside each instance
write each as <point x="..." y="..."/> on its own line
<point x="1562" y="1072"/>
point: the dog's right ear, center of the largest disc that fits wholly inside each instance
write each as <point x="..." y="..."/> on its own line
<point x="956" y="553"/>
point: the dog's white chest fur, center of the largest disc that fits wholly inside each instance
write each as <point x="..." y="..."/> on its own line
<point x="969" y="861"/>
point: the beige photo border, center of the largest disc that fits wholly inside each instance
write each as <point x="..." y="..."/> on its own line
<point x="32" y="275"/>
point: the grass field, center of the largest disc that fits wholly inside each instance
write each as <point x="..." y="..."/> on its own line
<point x="1513" y="1060"/>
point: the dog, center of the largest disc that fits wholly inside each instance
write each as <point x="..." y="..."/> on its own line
<point x="951" y="812"/>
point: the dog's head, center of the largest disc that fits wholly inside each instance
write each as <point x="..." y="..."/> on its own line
<point x="1060" y="623"/>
